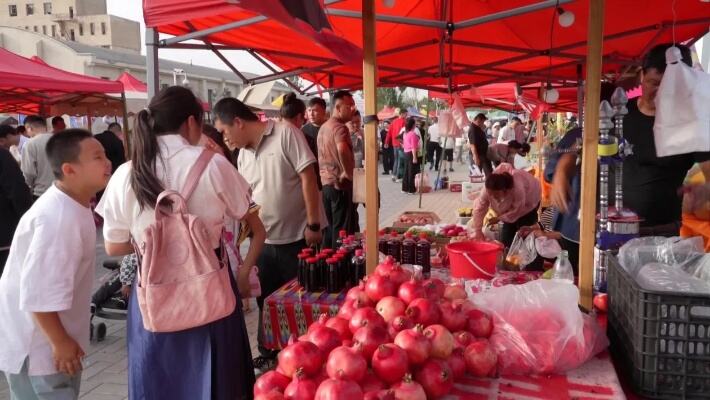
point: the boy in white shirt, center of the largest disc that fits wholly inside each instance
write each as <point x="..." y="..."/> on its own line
<point x="45" y="290"/>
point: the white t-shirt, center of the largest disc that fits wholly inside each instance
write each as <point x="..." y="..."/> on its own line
<point x="433" y="133"/>
<point x="508" y="133"/>
<point x="448" y="143"/>
<point x="220" y="191"/>
<point x="50" y="269"/>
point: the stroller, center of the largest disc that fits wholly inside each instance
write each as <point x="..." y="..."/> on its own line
<point x="108" y="302"/>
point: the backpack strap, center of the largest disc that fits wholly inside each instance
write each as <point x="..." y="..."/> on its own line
<point x="195" y="172"/>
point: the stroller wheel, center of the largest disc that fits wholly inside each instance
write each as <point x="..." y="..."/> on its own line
<point x="100" y="332"/>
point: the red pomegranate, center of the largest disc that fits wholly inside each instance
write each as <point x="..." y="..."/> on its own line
<point x="408" y="389"/>
<point x="325" y="338"/>
<point x="390" y="363"/>
<point x="410" y="290"/>
<point x="322" y="319"/>
<point x="300" y="356"/>
<point x="454" y="292"/>
<point x="453" y="317"/>
<point x="390" y="307"/>
<point x="442" y="341"/>
<point x="385" y="267"/>
<point x="466" y="305"/>
<point x="358" y="293"/>
<point x="435" y="376"/>
<point x="399" y="275"/>
<point x="463" y="338"/>
<point x="380" y="395"/>
<point x="417" y="346"/>
<point x="301" y="389"/>
<point x="398" y="324"/>
<point x="423" y="311"/>
<point x="457" y="363"/>
<point x="269" y="381"/>
<point x="371" y="383"/>
<point x="346" y="363"/>
<point x="479" y="323"/>
<point x="481" y="359"/>
<point x="378" y="286"/>
<point x="338" y="389"/>
<point x="366" y="316"/>
<point x="367" y="338"/>
<point x="348" y="308"/>
<point x="435" y="288"/>
<point x="272" y="395"/>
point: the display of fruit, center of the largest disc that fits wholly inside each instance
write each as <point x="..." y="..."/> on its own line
<point x="452" y="230"/>
<point x="464" y="211"/>
<point x="601" y="302"/>
<point x="417" y="219"/>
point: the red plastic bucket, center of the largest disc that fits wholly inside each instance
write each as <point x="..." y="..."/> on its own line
<point x="474" y="260"/>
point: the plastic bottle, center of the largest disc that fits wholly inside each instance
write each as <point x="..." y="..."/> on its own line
<point x="408" y="249"/>
<point x="302" y="272"/>
<point x="332" y="284"/>
<point x="323" y="269"/>
<point x="423" y="255"/>
<point x="357" y="272"/>
<point x="394" y="247"/>
<point x="382" y="242"/>
<point x="562" y="271"/>
<point x="313" y="274"/>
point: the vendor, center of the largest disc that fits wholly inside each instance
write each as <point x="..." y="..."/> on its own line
<point x="515" y="197"/>
<point x="505" y="153"/>
<point x="651" y="183"/>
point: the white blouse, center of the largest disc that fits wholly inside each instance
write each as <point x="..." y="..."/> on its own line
<point x="220" y="191"/>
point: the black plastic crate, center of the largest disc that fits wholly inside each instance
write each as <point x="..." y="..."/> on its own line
<point x="661" y="338"/>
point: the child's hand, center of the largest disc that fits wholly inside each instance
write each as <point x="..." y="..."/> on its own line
<point x="67" y="356"/>
<point x="125" y="291"/>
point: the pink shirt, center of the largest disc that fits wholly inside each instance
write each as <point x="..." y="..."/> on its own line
<point x="523" y="198"/>
<point x="411" y="141"/>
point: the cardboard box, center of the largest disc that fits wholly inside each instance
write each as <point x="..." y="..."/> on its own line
<point x="455" y="187"/>
<point x="431" y="216"/>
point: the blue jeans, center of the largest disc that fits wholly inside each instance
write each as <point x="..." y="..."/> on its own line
<point x="46" y="387"/>
<point x="398" y="170"/>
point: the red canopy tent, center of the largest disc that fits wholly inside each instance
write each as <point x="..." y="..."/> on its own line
<point x="131" y="83"/>
<point x="31" y="86"/>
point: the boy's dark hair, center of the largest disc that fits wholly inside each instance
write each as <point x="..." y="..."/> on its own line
<point x="499" y="181"/>
<point x="292" y="106"/>
<point x="516" y="119"/>
<point x="402" y="111"/>
<point x="65" y="148"/>
<point x="514" y="144"/>
<point x="229" y="108"/>
<point x="35" y="121"/>
<point x="340" y="94"/>
<point x="113" y="125"/>
<point x="7" y="130"/>
<point x="317" y="101"/>
<point x="411" y="123"/>
<point x="20" y="129"/>
<point x="656" y="57"/>
<point x="526" y="148"/>
<point x="56" y="120"/>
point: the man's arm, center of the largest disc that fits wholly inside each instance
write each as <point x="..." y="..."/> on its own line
<point x="311" y="196"/>
<point x="345" y="153"/>
<point x="28" y="164"/>
<point x="560" y="192"/>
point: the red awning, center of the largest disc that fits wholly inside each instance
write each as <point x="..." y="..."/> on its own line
<point x="131" y="83"/>
<point x="480" y="50"/>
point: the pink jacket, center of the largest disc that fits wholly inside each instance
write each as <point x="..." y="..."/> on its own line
<point x="411" y="141"/>
<point x="523" y="198"/>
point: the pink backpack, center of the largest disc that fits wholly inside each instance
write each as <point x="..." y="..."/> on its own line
<point x="181" y="282"/>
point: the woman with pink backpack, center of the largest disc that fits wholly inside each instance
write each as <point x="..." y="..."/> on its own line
<point x="186" y="336"/>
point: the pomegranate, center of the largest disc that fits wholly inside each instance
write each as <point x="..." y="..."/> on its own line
<point x="411" y="290"/>
<point x="442" y="341"/>
<point x="348" y="308"/>
<point x="390" y="307"/>
<point x="423" y="311"/>
<point x="379" y="395"/>
<point x="408" y="389"/>
<point x="346" y="363"/>
<point x="340" y="325"/>
<point x="385" y="267"/>
<point x="322" y="319"/>
<point x="272" y="395"/>
<point x="479" y="323"/>
<point x="301" y="388"/>
<point x="454" y="292"/>
<point x="371" y="383"/>
<point x="358" y="293"/>
<point x="365" y="316"/>
<point x="367" y="338"/>
<point x="434" y="288"/>
<point x="457" y="363"/>
<point x="466" y="305"/>
<point x="398" y="324"/>
<point x="390" y="363"/>
<point x="269" y="381"/>
<point x="417" y="346"/>
<point x="480" y="358"/>
<point x="399" y="275"/>
<point x="338" y="389"/>
<point x="463" y="338"/>
<point x="453" y="316"/>
<point x="378" y="286"/>
<point x="435" y="376"/>
<point x="303" y="356"/>
<point x="325" y="338"/>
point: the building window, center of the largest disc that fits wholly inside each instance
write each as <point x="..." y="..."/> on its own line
<point x="81" y="29"/>
<point x="54" y="30"/>
<point x="13" y="10"/>
<point x="30" y="8"/>
<point x="103" y="28"/>
<point x="163" y="86"/>
<point x="44" y="29"/>
<point x="71" y="12"/>
<point x="35" y="28"/>
<point x="71" y="35"/>
<point x="47" y="8"/>
<point x="91" y="28"/>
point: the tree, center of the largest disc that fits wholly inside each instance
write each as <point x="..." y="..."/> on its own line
<point x="390" y="96"/>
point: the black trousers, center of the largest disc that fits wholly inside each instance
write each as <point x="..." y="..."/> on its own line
<point x="3" y="259"/>
<point x="433" y="154"/>
<point x="410" y="171"/>
<point x="340" y="212"/>
<point x="507" y="233"/>
<point x="388" y="159"/>
<point x="278" y="264"/>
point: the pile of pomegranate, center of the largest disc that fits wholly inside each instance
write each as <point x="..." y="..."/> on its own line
<point x="395" y="337"/>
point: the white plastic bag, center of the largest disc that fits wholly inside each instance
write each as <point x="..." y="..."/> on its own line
<point x="667" y="278"/>
<point x="638" y="252"/>
<point x="539" y="329"/>
<point x="522" y="251"/>
<point x="682" y="122"/>
<point x="425" y="182"/>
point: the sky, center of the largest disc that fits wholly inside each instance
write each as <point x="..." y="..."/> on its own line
<point x="132" y="9"/>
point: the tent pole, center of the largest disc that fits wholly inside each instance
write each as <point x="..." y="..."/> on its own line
<point x="589" y="154"/>
<point x="580" y="95"/>
<point x="126" y="139"/>
<point x="151" y="62"/>
<point x="369" y="86"/>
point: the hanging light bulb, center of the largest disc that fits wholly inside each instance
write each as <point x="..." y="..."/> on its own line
<point x="551" y="94"/>
<point x="565" y="18"/>
<point x="185" y="82"/>
<point x="388" y="3"/>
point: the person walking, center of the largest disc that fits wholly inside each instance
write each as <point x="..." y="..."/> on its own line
<point x="212" y="361"/>
<point x="111" y="140"/>
<point x="479" y="144"/>
<point x="393" y="141"/>
<point x="355" y="129"/>
<point x="15" y="199"/>
<point x="511" y="131"/>
<point x="34" y="163"/>
<point x="433" y="146"/>
<point x="387" y="151"/>
<point x="411" y="156"/>
<point x="316" y="115"/>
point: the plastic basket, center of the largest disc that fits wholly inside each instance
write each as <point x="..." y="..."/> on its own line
<point x="662" y="339"/>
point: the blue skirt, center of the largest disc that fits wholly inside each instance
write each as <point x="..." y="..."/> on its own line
<point x="210" y="362"/>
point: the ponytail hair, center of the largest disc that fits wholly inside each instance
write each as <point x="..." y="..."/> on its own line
<point x="292" y="106"/>
<point x="165" y="114"/>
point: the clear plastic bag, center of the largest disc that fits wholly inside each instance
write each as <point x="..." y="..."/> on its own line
<point x="653" y="249"/>
<point x="667" y="278"/>
<point x="522" y="251"/>
<point x="539" y="329"/>
<point x="700" y="268"/>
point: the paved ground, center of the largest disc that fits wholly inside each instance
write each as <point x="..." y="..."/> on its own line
<point x="105" y="373"/>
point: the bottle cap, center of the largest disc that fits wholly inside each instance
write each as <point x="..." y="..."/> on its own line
<point x="423" y="235"/>
<point x="342" y="233"/>
<point x="359" y="253"/>
<point x="312" y="260"/>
